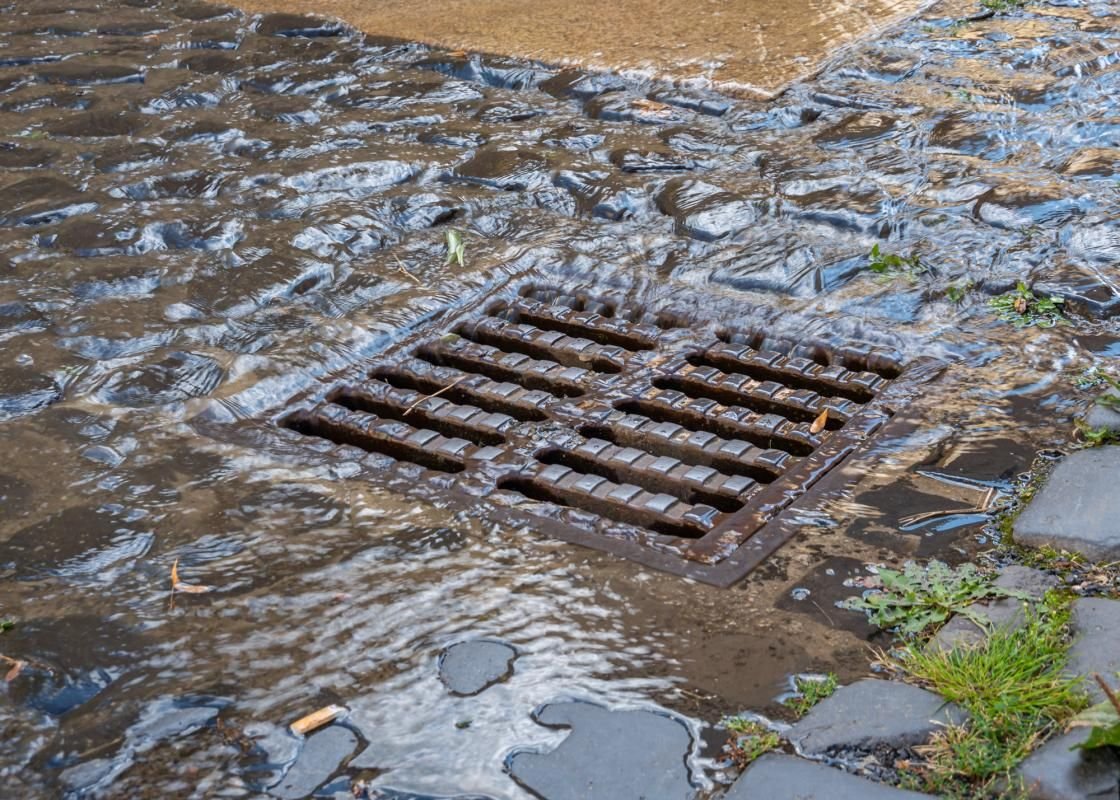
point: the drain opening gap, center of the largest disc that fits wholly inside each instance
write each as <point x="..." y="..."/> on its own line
<point x="308" y="424"/>
<point x="442" y="357"/>
<point x="630" y="516"/>
<point x="733" y="397"/>
<point x="760" y="373"/>
<point x="716" y="425"/>
<point x="457" y="393"/>
<point x="657" y="446"/>
<point x="684" y="492"/>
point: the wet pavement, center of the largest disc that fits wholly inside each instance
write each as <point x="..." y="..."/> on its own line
<point x="205" y="212"/>
<point x="745" y="47"/>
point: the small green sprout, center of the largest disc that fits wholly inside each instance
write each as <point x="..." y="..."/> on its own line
<point x="749" y="739"/>
<point x="456" y="248"/>
<point x="956" y="292"/>
<point x="892" y="265"/>
<point x="811" y="690"/>
<point x="1022" y="308"/>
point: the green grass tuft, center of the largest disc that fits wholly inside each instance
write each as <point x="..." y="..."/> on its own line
<point x="749" y="740"/>
<point x="811" y="690"/>
<point x="1013" y="686"/>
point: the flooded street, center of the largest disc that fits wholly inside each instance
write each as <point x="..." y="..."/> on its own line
<point x="204" y="212"/>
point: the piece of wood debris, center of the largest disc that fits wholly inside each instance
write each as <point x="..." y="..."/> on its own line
<point x="316" y="720"/>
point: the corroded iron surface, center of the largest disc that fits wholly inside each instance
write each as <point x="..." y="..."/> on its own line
<point x="668" y="440"/>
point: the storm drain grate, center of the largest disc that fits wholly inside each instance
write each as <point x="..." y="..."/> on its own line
<point x="606" y="425"/>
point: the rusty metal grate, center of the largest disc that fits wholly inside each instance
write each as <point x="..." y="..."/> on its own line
<point x="611" y="426"/>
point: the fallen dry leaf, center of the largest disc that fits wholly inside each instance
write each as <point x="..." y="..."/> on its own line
<point x="652" y="106"/>
<point x="188" y="588"/>
<point x="17" y="668"/>
<point x="317" y="719"/>
<point x="1021" y="305"/>
<point x="819" y="422"/>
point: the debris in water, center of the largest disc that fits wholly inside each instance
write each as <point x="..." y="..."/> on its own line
<point x="16" y="669"/>
<point x="819" y="423"/>
<point x="317" y="719"/>
<point x="652" y="106"/>
<point x="456" y="248"/>
<point x="187" y="588"/>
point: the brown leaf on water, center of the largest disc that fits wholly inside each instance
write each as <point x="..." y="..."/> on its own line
<point x="1021" y="305"/>
<point x="16" y="669"/>
<point x="819" y="423"/>
<point x="317" y="719"/>
<point x="652" y="106"/>
<point x="187" y="588"/>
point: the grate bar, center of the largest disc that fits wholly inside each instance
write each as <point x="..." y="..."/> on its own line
<point x="663" y="513"/>
<point x="499" y="365"/>
<point x="398" y="440"/>
<point x="586" y="324"/>
<point x="434" y="413"/>
<point x="688" y="482"/>
<point x="730" y="456"/>
<point x="801" y="373"/>
<point x="549" y="345"/>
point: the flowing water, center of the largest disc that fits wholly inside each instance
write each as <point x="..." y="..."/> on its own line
<point x="201" y="213"/>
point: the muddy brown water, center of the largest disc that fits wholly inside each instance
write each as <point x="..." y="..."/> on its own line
<point x="202" y="213"/>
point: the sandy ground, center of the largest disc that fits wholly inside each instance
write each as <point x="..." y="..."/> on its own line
<point x="745" y="46"/>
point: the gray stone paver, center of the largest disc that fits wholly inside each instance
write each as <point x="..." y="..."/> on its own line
<point x="609" y="755"/>
<point x="1101" y="416"/>
<point x="1057" y="772"/>
<point x="1007" y="612"/>
<point x="871" y="713"/>
<point x="1096" y="646"/>
<point x="468" y="667"/>
<point x="781" y="777"/>
<point x="1078" y="507"/>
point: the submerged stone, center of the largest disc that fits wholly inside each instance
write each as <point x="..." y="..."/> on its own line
<point x="322" y="754"/>
<point x="468" y="668"/>
<point x="778" y="777"/>
<point x="873" y="713"/>
<point x="609" y="755"/>
<point x="704" y="211"/>
<point x="1093" y="161"/>
<point x="857" y="129"/>
<point x="501" y="168"/>
<point x="1077" y="508"/>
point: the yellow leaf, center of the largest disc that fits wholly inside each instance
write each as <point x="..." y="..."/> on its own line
<point x="187" y="588"/>
<point x="17" y="668"/>
<point x="819" y="423"/>
<point x="645" y="104"/>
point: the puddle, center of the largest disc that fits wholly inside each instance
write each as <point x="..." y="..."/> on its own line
<point x="207" y="213"/>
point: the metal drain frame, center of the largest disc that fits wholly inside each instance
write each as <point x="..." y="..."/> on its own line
<point x="512" y="460"/>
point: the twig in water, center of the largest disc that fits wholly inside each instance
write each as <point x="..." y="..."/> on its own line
<point x="451" y="385"/>
<point x="400" y="267"/>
